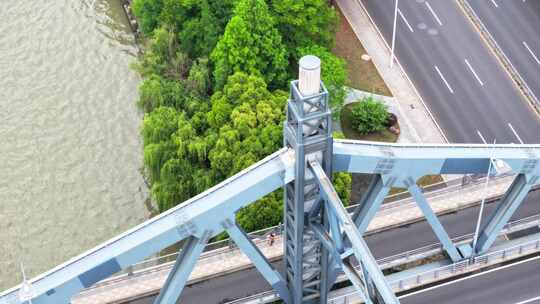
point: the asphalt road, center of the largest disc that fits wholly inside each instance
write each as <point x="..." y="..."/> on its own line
<point x="514" y="25"/>
<point x="384" y="244"/>
<point x="460" y="81"/>
<point x="512" y="284"/>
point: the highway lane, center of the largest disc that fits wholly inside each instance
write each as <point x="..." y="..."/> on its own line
<point x="460" y="81"/>
<point x="512" y="284"/>
<point x="514" y="25"/>
<point x="384" y="244"/>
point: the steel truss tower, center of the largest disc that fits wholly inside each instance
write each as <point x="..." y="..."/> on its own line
<point x="321" y="239"/>
<point x="314" y="215"/>
<point x="308" y="131"/>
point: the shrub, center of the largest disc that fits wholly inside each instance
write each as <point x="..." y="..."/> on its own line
<point x="369" y="115"/>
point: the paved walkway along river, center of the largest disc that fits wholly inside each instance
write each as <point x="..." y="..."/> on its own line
<point x="70" y="152"/>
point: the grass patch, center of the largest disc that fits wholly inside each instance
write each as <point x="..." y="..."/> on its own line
<point x="363" y="75"/>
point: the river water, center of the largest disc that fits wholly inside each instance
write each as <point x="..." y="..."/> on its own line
<point x="70" y="151"/>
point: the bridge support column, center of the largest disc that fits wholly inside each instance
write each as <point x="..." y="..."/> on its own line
<point x="513" y="198"/>
<point x="371" y="202"/>
<point x="171" y="291"/>
<point x="245" y="244"/>
<point x="358" y="246"/>
<point x="433" y="221"/>
<point x="308" y="130"/>
<point x="342" y="262"/>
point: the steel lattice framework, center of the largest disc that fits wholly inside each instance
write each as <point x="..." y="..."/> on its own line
<point x="321" y="237"/>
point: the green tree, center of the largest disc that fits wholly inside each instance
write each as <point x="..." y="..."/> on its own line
<point x="369" y="115"/>
<point x="158" y="127"/>
<point x="248" y="118"/>
<point x="199" y="34"/>
<point x="156" y="91"/>
<point x="252" y="44"/>
<point x="162" y="56"/>
<point x="333" y="74"/>
<point x="147" y="13"/>
<point x="305" y="22"/>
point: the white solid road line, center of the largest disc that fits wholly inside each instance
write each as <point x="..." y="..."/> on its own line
<point x="444" y="79"/>
<point x="406" y="22"/>
<point x="473" y="276"/>
<point x="494" y="3"/>
<point x="474" y="72"/>
<point x="515" y="133"/>
<point x="529" y="300"/>
<point x="433" y="13"/>
<point x="481" y="137"/>
<point x="530" y="51"/>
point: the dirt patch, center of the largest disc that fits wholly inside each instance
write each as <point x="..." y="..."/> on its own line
<point x="362" y="74"/>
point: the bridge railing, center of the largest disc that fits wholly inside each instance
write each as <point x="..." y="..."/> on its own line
<point x="393" y="202"/>
<point x="212" y="250"/>
<point x="428" y="251"/>
<point x="398" y="200"/>
<point x="449" y="271"/>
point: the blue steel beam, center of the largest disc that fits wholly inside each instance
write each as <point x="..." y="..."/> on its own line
<point x="411" y="160"/>
<point x="371" y="202"/>
<point x="191" y="218"/>
<point x="359" y="246"/>
<point x="433" y="221"/>
<point x="200" y="213"/>
<point x="348" y="269"/>
<point x="513" y="198"/>
<point x="177" y="278"/>
<point x="272" y="276"/>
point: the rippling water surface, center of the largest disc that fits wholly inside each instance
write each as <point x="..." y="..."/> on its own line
<point x="70" y="152"/>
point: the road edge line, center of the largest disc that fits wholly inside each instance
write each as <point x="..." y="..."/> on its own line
<point x="492" y="45"/>
<point x="471" y="276"/>
<point x="402" y="71"/>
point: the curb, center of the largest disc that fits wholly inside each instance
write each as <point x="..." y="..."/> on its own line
<point x="401" y="70"/>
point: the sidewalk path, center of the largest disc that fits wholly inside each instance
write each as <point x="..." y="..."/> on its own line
<point x="223" y="261"/>
<point x="425" y="129"/>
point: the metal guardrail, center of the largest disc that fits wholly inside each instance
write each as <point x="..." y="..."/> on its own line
<point x="494" y="46"/>
<point x="398" y="200"/>
<point x="454" y="185"/>
<point x="212" y="251"/>
<point x="226" y="246"/>
<point x="452" y="270"/>
<point x="418" y="254"/>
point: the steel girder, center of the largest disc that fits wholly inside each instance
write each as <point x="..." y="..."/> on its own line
<point x="193" y="218"/>
<point x="358" y="246"/>
<point x="343" y="262"/>
<point x="206" y="211"/>
<point x="245" y="244"/>
<point x="177" y="278"/>
<point x="371" y="201"/>
<point x="513" y="198"/>
<point x="433" y="221"/>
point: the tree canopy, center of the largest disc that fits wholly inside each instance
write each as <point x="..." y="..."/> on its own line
<point x="251" y="43"/>
<point x="305" y="22"/>
<point x="214" y="90"/>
